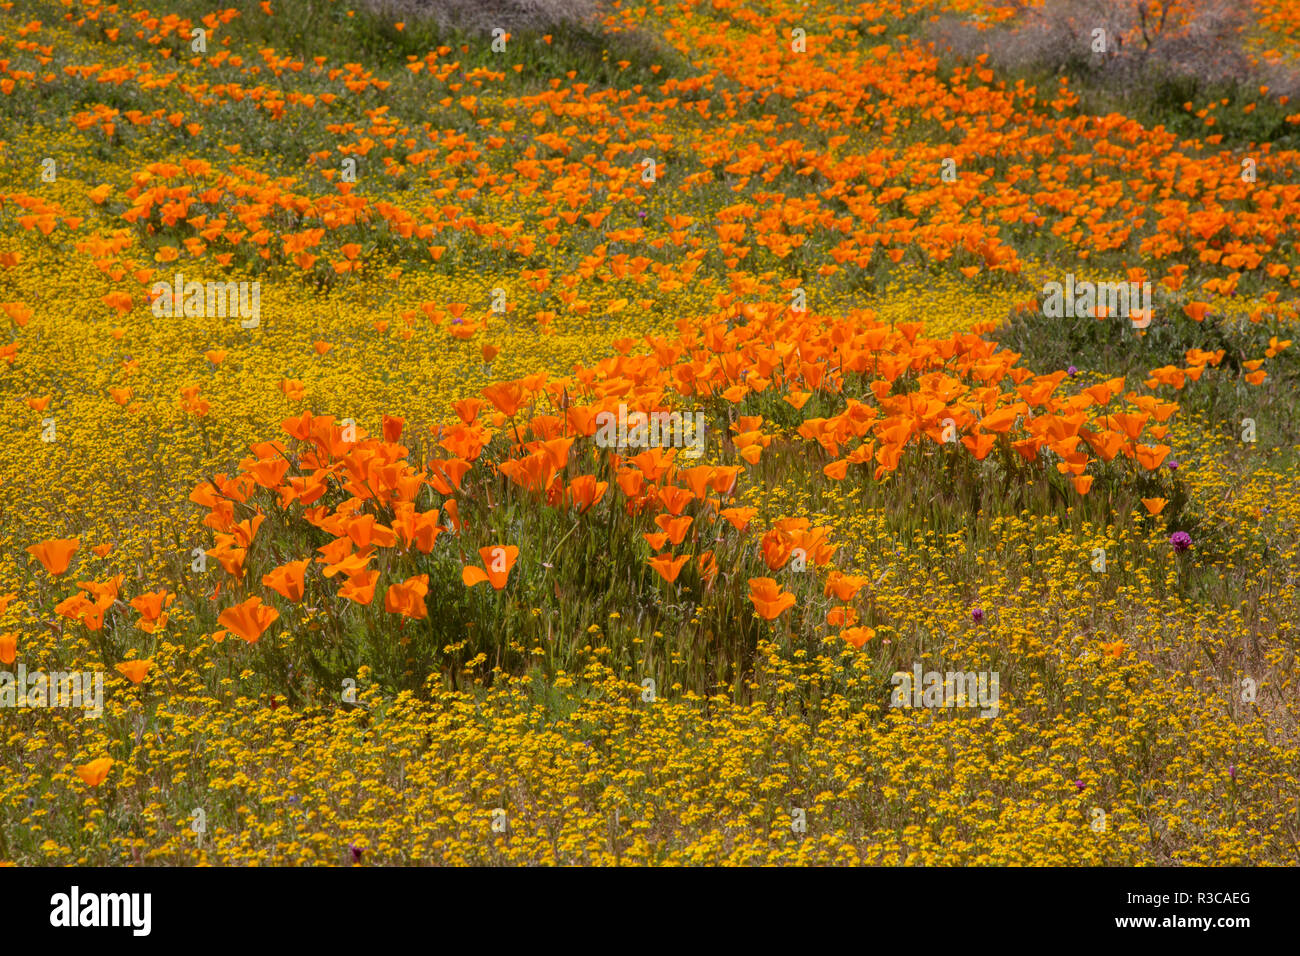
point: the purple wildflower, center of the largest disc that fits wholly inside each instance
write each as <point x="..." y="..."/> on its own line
<point x="1072" y="370"/>
<point x="1181" y="541"/>
<point x="1080" y="785"/>
<point x="977" y="615"/>
<point x="356" y="853"/>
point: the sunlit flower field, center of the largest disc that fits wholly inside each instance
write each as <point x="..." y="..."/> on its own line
<point x="516" y="447"/>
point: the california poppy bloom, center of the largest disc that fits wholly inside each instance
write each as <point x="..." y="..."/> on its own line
<point x="668" y="567"/>
<point x="417" y="528"/>
<point x="288" y="580"/>
<point x="93" y="773"/>
<point x="498" y="560"/>
<point x="56" y="554"/>
<point x="134" y="671"/>
<point x="738" y="518"/>
<point x="249" y="619"/>
<point x="769" y="600"/>
<point x="584" y="491"/>
<point x="392" y="427"/>
<point x="360" y="587"/>
<point x="153" y="609"/>
<point x="675" y="528"/>
<point x="857" y="636"/>
<point x="843" y="586"/>
<point x="776" y="546"/>
<point x="407" y="598"/>
<point x="841" y="616"/>
<point x="708" y="567"/>
<point x="8" y="647"/>
<point x="508" y="397"/>
<point x="657" y="540"/>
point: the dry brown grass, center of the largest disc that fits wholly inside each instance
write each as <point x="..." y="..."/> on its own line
<point x="1202" y="40"/>
<point x="483" y="16"/>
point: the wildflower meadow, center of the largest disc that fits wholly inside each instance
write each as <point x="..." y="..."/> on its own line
<point x="708" y="432"/>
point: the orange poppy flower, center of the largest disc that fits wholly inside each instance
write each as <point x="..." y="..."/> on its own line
<point x="249" y="619"/>
<point x="708" y="567"/>
<point x="448" y="474"/>
<point x="841" y="616"/>
<point x="1130" y="424"/>
<point x="152" y="607"/>
<point x="979" y="444"/>
<point x="738" y="518"/>
<point x="1151" y="456"/>
<point x="674" y="498"/>
<point x="857" y="636"/>
<point x="1001" y="420"/>
<point x="843" y="586"/>
<point x="1154" y="505"/>
<point x="1107" y="444"/>
<point x="288" y="580"/>
<point x="453" y="513"/>
<point x="360" y="587"/>
<point x="769" y="600"/>
<point x="508" y="397"/>
<point x="93" y="773"/>
<point x="467" y="409"/>
<point x="365" y="531"/>
<point x="675" y="528"/>
<point x="55" y="554"/>
<point x="584" y="491"/>
<point x="656" y="540"/>
<point x="698" y="479"/>
<point x="776" y="545"/>
<point x="134" y="671"/>
<point x="498" y="560"/>
<point x="407" y="598"/>
<point x="418" y="528"/>
<point x="837" y="470"/>
<point x="8" y="647"/>
<point x="668" y="567"/>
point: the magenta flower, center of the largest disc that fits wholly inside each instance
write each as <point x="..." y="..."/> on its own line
<point x="1181" y="541"/>
<point x="977" y="615"/>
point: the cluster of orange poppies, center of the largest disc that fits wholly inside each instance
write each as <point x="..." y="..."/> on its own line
<point x="898" y="390"/>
